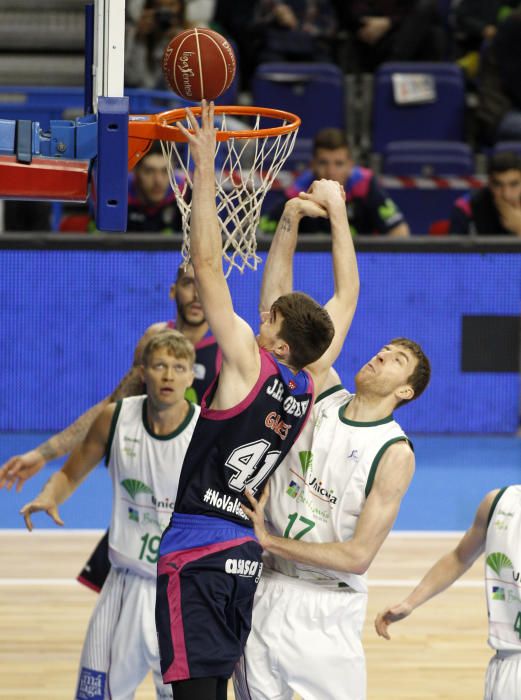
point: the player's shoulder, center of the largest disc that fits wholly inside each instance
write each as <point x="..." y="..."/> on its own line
<point x="334" y="395"/>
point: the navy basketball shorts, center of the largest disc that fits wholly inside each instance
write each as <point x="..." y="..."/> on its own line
<point x="207" y="573"/>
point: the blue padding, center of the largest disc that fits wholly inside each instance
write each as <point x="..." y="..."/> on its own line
<point x="112" y="164"/>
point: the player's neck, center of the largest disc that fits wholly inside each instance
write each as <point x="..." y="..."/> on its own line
<point x="364" y="408"/>
<point x="166" y="421"/>
<point x="193" y="333"/>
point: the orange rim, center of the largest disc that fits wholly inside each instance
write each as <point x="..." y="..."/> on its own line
<point x="143" y="129"/>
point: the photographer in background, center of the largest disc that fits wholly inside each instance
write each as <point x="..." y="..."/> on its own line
<point x="150" y="24"/>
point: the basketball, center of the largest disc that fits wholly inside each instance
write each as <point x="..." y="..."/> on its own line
<point x="199" y="64"/>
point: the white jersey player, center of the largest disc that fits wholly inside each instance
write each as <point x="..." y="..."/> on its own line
<point x="144" y="440"/>
<point x="496" y="531"/>
<point x="332" y="504"/>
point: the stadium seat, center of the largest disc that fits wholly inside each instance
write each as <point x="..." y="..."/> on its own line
<point x="441" y="119"/>
<point x="427" y="158"/>
<point x="313" y="91"/>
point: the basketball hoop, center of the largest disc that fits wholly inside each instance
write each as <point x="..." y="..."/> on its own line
<point x="248" y="159"/>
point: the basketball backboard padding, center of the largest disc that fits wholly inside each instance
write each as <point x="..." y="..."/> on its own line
<point x="111" y="165"/>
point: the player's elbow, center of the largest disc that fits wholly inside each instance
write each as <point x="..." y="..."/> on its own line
<point x="203" y="261"/>
<point x="360" y="566"/>
<point x="356" y="560"/>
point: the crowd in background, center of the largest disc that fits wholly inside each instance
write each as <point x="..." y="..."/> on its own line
<point x="482" y="36"/>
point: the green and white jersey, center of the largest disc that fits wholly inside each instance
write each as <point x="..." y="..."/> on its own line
<point x="318" y="492"/>
<point x="503" y="571"/>
<point x="145" y="471"/>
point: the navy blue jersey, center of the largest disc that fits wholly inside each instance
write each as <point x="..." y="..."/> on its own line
<point x="207" y="364"/>
<point x="240" y="447"/>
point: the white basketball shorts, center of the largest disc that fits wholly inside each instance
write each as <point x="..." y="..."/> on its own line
<point x="503" y="679"/>
<point x="121" y="643"/>
<point x="306" y="639"/>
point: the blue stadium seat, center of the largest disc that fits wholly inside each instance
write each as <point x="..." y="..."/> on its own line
<point x="428" y="158"/>
<point x="439" y="120"/>
<point x="313" y="91"/>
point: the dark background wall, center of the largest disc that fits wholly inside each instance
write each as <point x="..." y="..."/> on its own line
<point x="71" y="318"/>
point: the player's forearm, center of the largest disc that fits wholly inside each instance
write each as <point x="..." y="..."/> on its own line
<point x="62" y="443"/>
<point x="345" y="268"/>
<point x="59" y="487"/>
<point x="205" y="235"/>
<point x="277" y="278"/>
<point x="443" y="574"/>
<point x="339" y="556"/>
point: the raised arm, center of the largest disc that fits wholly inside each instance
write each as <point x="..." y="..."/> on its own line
<point x="277" y="278"/>
<point x="19" y="468"/>
<point x="65" y="481"/>
<point x="342" y="305"/>
<point x="444" y="572"/>
<point x="393" y="476"/>
<point x="234" y="336"/>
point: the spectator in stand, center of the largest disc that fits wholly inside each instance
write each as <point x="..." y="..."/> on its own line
<point x="475" y="21"/>
<point x="494" y="210"/>
<point x="294" y="30"/>
<point x="369" y="208"/>
<point x="151" y="202"/>
<point x="499" y="87"/>
<point x="150" y="25"/>
<point x="393" y="30"/>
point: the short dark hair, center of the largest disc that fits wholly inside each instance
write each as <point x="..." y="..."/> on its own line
<point x="421" y="374"/>
<point x="330" y="139"/>
<point x="306" y="327"/>
<point x="503" y="161"/>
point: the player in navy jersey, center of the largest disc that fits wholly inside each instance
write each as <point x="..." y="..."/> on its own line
<point x="210" y="560"/>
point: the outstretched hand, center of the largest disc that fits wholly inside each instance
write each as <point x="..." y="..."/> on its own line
<point x="325" y="193"/>
<point x="390" y="615"/>
<point x="201" y="137"/>
<point x="40" y="503"/>
<point x="256" y="513"/>
<point x="19" y="468"/>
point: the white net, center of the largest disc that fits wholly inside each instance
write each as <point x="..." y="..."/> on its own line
<point x="245" y="169"/>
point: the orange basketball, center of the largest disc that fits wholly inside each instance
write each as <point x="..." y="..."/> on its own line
<point x="199" y="64"/>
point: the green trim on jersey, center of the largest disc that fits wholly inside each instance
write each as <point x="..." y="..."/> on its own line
<point x="328" y="392"/>
<point x="494" y="504"/>
<point x="359" y="424"/>
<point x="112" y="430"/>
<point x="176" y="432"/>
<point x="378" y="457"/>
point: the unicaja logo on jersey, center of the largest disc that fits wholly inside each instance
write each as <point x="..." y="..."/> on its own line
<point x="134" y="487"/>
<point x="321" y="490"/>
<point x="306" y="460"/>
<point x="306" y="464"/>
<point x="498" y="561"/>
